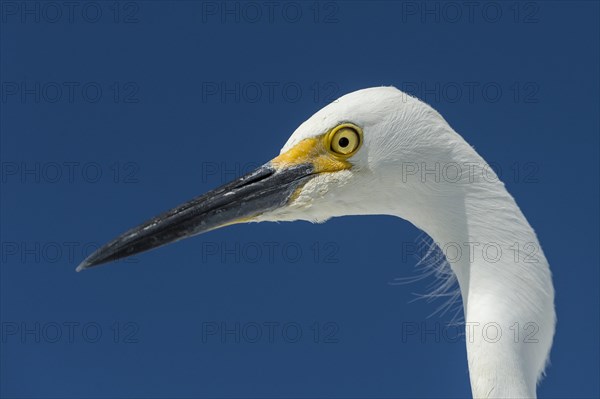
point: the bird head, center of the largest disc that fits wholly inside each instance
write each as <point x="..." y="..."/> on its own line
<point x="351" y="157"/>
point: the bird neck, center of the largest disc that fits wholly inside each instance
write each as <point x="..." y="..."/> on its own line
<point x="505" y="283"/>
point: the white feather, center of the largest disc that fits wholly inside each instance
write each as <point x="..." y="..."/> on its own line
<point x="474" y="211"/>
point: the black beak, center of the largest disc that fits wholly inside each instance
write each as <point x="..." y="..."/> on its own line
<point x="262" y="190"/>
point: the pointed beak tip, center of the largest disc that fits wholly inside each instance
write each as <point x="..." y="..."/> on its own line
<point x="82" y="266"/>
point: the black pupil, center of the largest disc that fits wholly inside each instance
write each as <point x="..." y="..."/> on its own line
<point x="344" y="142"/>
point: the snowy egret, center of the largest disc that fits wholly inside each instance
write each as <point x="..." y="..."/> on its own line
<point x="380" y="151"/>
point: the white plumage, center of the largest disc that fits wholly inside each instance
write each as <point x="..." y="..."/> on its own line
<point x="470" y="209"/>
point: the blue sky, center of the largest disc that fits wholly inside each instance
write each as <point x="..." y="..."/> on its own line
<point x="113" y="113"/>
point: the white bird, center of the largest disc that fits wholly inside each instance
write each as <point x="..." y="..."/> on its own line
<point x="381" y="151"/>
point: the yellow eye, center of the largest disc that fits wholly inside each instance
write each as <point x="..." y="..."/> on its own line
<point x="345" y="139"/>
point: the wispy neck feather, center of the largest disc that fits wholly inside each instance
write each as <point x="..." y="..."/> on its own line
<point x="504" y="278"/>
